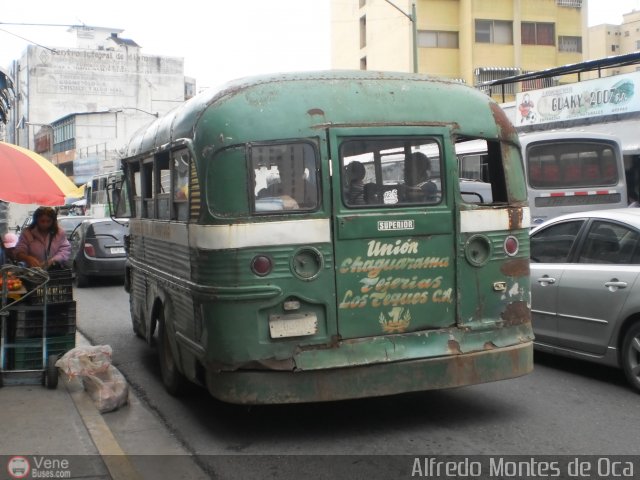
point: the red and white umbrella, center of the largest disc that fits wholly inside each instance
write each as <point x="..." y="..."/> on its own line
<point x="26" y="177"/>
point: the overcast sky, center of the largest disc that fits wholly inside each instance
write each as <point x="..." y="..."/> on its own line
<point x="219" y="39"/>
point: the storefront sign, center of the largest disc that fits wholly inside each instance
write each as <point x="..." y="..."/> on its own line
<point x="591" y="98"/>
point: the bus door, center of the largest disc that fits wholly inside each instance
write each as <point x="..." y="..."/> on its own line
<point x="393" y="231"/>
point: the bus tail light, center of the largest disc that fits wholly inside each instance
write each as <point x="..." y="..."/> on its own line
<point x="261" y="265"/>
<point x="89" y="250"/>
<point x="511" y="245"/>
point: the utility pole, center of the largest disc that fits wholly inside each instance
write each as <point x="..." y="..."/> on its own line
<point x="413" y="18"/>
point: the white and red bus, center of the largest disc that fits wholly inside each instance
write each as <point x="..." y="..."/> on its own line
<point x="566" y="171"/>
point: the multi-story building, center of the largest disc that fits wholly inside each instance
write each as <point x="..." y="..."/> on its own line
<point x="607" y="39"/>
<point x="79" y="106"/>
<point x="469" y="40"/>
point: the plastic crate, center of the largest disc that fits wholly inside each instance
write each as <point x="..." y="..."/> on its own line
<point x="30" y="358"/>
<point x="59" y="288"/>
<point x="27" y="322"/>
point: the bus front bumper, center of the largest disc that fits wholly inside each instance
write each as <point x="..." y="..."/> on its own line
<point x="373" y="380"/>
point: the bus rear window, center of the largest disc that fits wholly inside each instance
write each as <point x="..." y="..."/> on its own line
<point x="285" y="177"/>
<point x="571" y="164"/>
<point x="391" y="172"/>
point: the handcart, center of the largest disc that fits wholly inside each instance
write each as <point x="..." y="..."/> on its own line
<point x="37" y="324"/>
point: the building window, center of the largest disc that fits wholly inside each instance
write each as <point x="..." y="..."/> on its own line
<point x="570" y="44"/>
<point x="637" y="44"/>
<point x="613" y="48"/>
<point x="435" y="39"/>
<point x="64" y="136"/>
<point x="536" y="33"/>
<point x="626" y="34"/>
<point x="494" y="31"/>
<point x="363" y="63"/>
<point x="363" y="32"/>
<point x="487" y="74"/>
<point x="569" y="3"/>
<point x="363" y="3"/>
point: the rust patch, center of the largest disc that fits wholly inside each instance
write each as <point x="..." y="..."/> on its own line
<point x="516" y="313"/>
<point x="286" y="364"/>
<point x="454" y="347"/>
<point x="515" y="218"/>
<point x="517" y="267"/>
<point x="315" y="111"/>
<point x="506" y="127"/>
<point x="334" y="343"/>
<point x="489" y="346"/>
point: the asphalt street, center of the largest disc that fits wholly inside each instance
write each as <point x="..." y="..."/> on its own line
<point x="564" y="407"/>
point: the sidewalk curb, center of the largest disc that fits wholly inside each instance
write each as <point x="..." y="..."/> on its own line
<point x="114" y="458"/>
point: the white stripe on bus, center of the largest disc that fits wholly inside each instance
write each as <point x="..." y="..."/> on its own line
<point x="260" y="234"/>
<point x="490" y="220"/>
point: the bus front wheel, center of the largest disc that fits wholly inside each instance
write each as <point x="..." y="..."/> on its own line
<point x="174" y="381"/>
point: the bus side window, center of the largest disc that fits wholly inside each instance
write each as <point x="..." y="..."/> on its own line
<point x="163" y="193"/>
<point x="95" y="188"/>
<point x="482" y="175"/>
<point x="147" y="178"/>
<point x="136" y="188"/>
<point x="180" y="172"/>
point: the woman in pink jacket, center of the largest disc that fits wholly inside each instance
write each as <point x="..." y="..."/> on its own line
<point x="43" y="243"/>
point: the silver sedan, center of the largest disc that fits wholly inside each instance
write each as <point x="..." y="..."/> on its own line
<point x="585" y="288"/>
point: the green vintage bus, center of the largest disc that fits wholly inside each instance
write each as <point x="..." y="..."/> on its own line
<point x="305" y="237"/>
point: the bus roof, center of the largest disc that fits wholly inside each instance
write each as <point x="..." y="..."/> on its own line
<point x="311" y="100"/>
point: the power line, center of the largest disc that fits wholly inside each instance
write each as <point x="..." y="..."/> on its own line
<point x="25" y="24"/>
<point x="26" y="39"/>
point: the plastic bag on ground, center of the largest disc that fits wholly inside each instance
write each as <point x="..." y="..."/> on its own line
<point x="85" y="360"/>
<point x="105" y="384"/>
<point x="108" y="389"/>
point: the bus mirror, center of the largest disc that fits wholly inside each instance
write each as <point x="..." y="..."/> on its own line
<point x="117" y="199"/>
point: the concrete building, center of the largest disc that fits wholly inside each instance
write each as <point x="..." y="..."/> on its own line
<point x="469" y="40"/>
<point x="92" y="98"/>
<point x="606" y="40"/>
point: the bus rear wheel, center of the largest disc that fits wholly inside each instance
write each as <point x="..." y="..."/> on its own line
<point x="174" y="381"/>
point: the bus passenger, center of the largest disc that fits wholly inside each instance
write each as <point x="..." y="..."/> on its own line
<point x="296" y="191"/>
<point x="43" y="243"/>
<point x="355" y="175"/>
<point x="422" y="187"/>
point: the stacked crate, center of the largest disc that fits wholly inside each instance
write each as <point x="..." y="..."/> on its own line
<point x="26" y="322"/>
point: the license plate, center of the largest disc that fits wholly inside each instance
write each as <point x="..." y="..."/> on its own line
<point x="293" y="325"/>
<point x="117" y="250"/>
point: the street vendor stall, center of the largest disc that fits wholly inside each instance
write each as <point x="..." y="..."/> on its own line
<point x="37" y="310"/>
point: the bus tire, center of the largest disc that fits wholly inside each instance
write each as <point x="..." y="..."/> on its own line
<point x="174" y="381"/>
<point x="631" y="355"/>
<point x="138" y="329"/>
